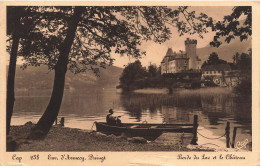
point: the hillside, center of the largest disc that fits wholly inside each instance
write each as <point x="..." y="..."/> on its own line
<point x="41" y="78"/>
<point x="225" y="51"/>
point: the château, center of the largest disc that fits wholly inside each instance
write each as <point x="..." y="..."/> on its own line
<point x="182" y="61"/>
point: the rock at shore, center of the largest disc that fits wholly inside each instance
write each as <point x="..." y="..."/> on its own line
<point x="137" y="140"/>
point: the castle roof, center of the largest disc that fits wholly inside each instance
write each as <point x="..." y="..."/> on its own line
<point x="181" y="55"/>
<point x="169" y="52"/>
<point x="174" y="56"/>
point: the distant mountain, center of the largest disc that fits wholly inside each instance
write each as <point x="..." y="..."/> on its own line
<point x="41" y="78"/>
<point x="225" y="51"/>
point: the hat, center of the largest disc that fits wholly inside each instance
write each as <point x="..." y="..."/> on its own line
<point x="111" y="111"/>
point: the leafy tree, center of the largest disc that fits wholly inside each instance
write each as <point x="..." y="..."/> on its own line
<point x="231" y="27"/>
<point x="244" y="65"/>
<point x="44" y="124"/>
<point x="132" y="73"/>
<point x="244" y="61"/>
<point x="214" y="60"/>
<point x="12" y="64"/>
<point x="20" y="23"/>
<point x="152" y="70"/>
<point x="22" y="30"/>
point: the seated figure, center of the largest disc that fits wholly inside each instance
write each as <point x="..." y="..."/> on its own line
<point x="112" y="120"/>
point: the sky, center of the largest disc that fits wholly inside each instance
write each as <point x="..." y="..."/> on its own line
<point x="155" y="52"/>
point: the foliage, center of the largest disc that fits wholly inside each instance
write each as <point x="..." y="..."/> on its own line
<point x="213" y="60"/>
<point x="135" y="76"/>
<point x="133" y="73"/>
<point x="230" y="27"/>
<point x="244" y="65"/>
<point x="20" y="23"/>
<point x="244" y="87"/>
<point x="27" y="21"/>
<point x="244" y="62"/>
<point x="152" y="70"/>
<point x="101" y="31"/>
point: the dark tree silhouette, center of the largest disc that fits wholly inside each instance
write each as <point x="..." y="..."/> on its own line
<point x="152" y="70"/>
<point x="132" y="73"/>
<point x="44" y="124"/>
<point x="18" y="27"/>
<point x="231" y="27"/>
<point x="12" y="64"/>
<point x="214" y="60"/>
<point x="23" y="29"/>
<point x="244" y="65"/>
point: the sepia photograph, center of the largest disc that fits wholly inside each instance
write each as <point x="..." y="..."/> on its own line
<point x="129" y="78"/>
<point x="157" y="84"/>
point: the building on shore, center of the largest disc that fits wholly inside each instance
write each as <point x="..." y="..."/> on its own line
<point x="220" y="75"/>
<point x="182" y="61"/>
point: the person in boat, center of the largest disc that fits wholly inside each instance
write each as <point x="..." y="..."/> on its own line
<point x="112" y="120"/>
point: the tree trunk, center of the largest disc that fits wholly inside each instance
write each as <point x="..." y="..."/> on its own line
<point x="10" y="98"/>
<point x="10" y="82"/>
<point x="45" y="123"/>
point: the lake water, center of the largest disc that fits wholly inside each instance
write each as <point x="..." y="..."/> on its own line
<point x="214" y="107"/>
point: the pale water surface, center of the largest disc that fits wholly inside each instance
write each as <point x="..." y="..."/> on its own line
<point x="214" y="106"/>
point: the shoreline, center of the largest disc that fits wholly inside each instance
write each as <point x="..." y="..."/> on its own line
<point x="204" y="90"/>
<point x="71" y="139"/>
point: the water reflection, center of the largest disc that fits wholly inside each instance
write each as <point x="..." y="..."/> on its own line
<point x="180" y="108"/>
<point x="82" y="108"/>
<point x="214" y="109"/>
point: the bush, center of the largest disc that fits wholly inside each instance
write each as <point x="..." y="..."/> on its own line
<point x="245" y="87"/>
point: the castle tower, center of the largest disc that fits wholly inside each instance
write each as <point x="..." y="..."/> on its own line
<point x="190" y="47"/>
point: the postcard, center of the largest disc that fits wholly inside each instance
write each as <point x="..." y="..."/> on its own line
<point x="138" y="83"/>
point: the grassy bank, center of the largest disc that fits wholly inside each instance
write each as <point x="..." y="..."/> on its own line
<point x="200" y="91"/>
<point x="67" y="139"/>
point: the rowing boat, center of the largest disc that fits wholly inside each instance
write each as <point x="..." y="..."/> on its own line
<point x="149" y="131"/>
